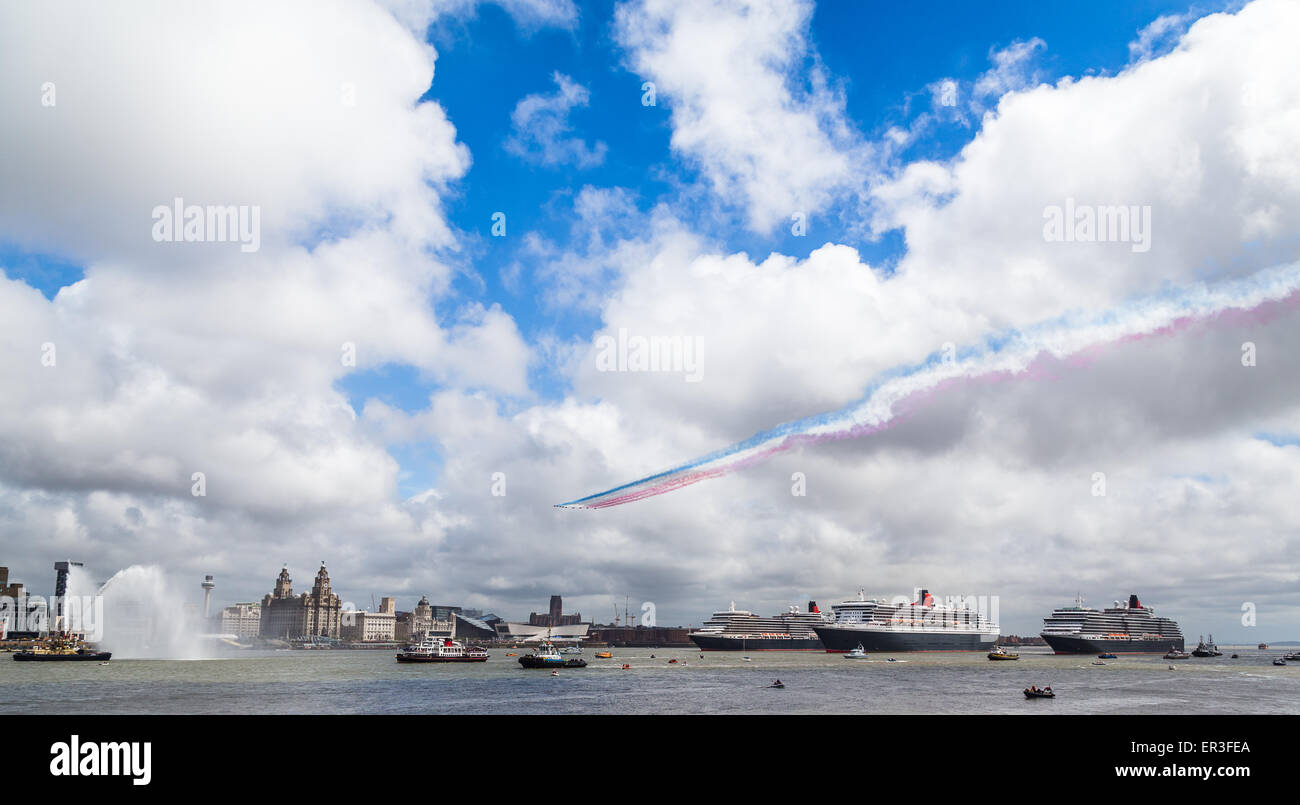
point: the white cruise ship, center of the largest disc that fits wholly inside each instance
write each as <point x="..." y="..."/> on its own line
<point x="740" y="630"/>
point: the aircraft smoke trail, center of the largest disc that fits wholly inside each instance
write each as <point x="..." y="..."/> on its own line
<point x="1002" y="356"/>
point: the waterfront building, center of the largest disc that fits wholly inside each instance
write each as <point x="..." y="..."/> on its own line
<point x="371" y="627"/>
<point x="21" y="616"/>
<point x="318" y="613"/>
<point x="241" y="620"/>
<point x="528" y="632"/>
<point x="468" y="628"/>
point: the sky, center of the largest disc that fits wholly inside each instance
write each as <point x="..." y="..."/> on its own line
<point x="469" y="216"/>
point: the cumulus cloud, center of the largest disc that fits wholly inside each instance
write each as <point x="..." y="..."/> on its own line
<point x="768" y="134"/>
<point x="542" y="131"/>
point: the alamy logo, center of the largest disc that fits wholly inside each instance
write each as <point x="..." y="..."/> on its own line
<point x="102" y="759"/>
<point x="656" y="353"/>
<point x="1083" y="223"/>
<point x="214" y="223"/>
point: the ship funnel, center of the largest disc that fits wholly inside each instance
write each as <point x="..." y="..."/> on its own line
<point x="926" y="599"/>
<point x="1133" y="602"/>
<point x="812" y="607"/>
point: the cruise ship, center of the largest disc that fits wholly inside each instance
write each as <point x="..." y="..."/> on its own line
<point x="1120" y="629"/>
<point x="739" y="630"/>
<point x="922" y="625"/>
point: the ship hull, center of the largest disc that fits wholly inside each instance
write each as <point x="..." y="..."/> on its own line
<point x="530" y="661"/>
<point x="837" y="640"/>
<point x="1063" y="644"/>
<point x="417" y="658"/>
<point x="722" y="643"/>
<point x="100" y="656"/>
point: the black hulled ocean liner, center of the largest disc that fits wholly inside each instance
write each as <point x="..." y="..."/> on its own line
<point x="1121" y="629"/>
<point x="737" y="630"/>
<point x="922" y="625"/>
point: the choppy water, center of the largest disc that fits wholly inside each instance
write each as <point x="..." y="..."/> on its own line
<point x="720" y="682"/>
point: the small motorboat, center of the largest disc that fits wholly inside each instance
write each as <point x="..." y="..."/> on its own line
<point x="1098" y="662"/>
<point x="858" y="653"/>
<point x="1233" y="657"/>
<point x="778" y="684"/>
<point x="626" y="666"/>
<point x="742" y="659"/>
<point x="1039" y="693"/>
<point x="891" y="659"/>
<point x="673" y="661"/>
<point x="999" y="653"/>
<point x="555" y="673"/>
<point x="1107" y="656"/>
<point x="1279" y="661"/>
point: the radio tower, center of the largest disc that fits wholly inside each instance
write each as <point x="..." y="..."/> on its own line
<point x="207" y="586"/>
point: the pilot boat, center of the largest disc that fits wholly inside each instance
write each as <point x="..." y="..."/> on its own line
<point x="547" y="656"/>
<point x="856" y="654"/>
<point x="999" y="653"/>
<point x="444" y="649"/>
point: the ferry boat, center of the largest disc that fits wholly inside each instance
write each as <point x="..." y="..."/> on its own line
<point x="547" y="656"/>
<point x="1121" y="629"/>
<point x="62" y="648"/>
<point x="740" y="630"/>
<point x="1204" y="649"/>
<point x="441" y="649"/>
<point x="923" y="625"/>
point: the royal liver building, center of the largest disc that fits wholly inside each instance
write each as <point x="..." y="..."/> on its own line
<point x="286" y="616"/>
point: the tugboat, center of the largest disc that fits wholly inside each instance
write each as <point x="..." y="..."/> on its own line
<point x="434" y="649"/>
<point x="1175" y="654"/>
<point x="999" y="653"/>
<point x="856" y="654"/>
<point x="62" y="648"/>
<point x="546" y="656"/>
<point x="1204" y="649"/>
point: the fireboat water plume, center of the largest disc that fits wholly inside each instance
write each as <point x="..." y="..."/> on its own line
<point x="143" y="616"/>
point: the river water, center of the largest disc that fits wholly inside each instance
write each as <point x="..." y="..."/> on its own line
<point x="719" y="682"/>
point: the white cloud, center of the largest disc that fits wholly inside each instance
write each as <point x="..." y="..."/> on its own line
<point x="541" y="128"/>
<point x="768" y="135"/>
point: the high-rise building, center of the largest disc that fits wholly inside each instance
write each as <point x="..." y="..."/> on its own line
<point x="318" y="613"/>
